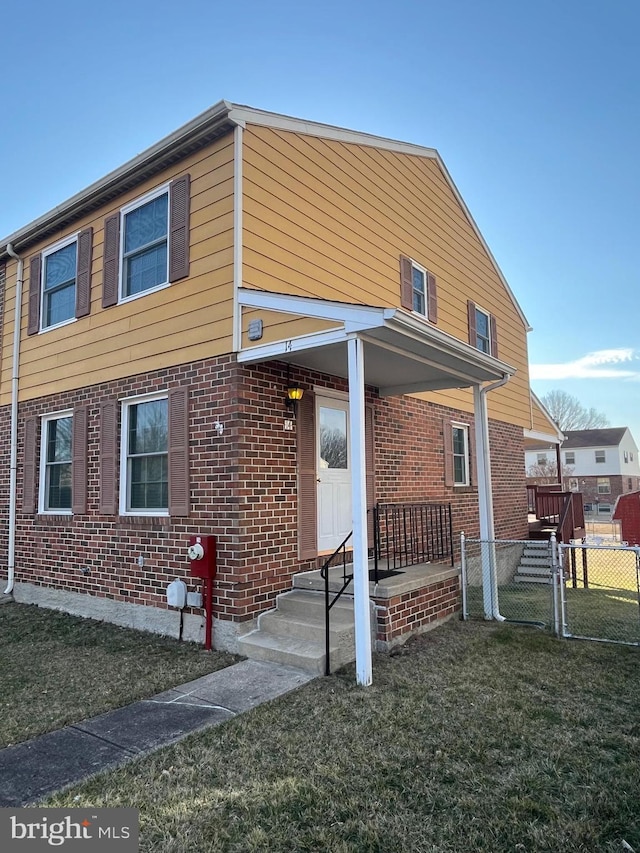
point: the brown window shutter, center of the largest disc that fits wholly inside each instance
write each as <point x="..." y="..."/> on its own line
<point x="108" y="457"/>
<point x="79" y="460"/>
<point x="179" y="204"/>
<point x="370" y="456"/>
<point x="34" y="295"/>
<point x="447" y="433"/>
<point x="473" y="336"/>
<point x="29" y="475"/>
<point x="494" y="335"/>
<point x="472" y="455"/>
<point x="83" y="273"/>
<point x="406" y="283"/>
<point x="432" y="299"/>
<point x="111" y="260"/>
<point x="179" y="487"/>
<point x="307" y="485"/>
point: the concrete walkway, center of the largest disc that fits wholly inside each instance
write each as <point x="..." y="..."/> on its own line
<point x="32" y="770"/>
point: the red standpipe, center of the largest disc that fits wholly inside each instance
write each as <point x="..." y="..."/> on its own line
<point x="208" y="627"/>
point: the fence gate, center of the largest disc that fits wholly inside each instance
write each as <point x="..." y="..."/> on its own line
<point x="600" y="592"/>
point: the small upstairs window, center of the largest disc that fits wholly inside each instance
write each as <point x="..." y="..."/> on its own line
<point x="483" y="330"/>
<point x="145" y="264"/>
<point x="570" y="457"/>
<point x="418" y="289"/>
<point x="600" y="456"/>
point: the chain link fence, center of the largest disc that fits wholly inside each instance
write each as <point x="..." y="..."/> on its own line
<point x="522" y="571"/>
<point x="580" y="590"/>
<point x="600" y="596"/>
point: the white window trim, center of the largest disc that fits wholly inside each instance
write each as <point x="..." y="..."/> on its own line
<point x="488" y="316"/>
<point x="604" y="457"/>
<point x="603" y="488"/>
<point x="425" y="291"/>
<point x="44" y="421"/>
<point x="50" y="250"/>
<point x="125" y="406"/>
<point x="566" y="458"/>
<point x="467" y="461"/>
<point x="128" y="208"/>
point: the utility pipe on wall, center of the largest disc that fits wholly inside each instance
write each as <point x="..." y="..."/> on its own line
<point x="485" y="500"/>
<point x="13" y="469"/>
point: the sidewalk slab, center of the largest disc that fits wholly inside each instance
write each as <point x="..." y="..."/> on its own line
<point x="32" y="770"/>
<point x="240" y="687"/>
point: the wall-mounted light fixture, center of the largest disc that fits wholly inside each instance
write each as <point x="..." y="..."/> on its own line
<point x="294" y="394"/>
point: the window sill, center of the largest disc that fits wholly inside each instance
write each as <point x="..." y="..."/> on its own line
<point x="52" y="519"/>
<point x="146" y="522"/>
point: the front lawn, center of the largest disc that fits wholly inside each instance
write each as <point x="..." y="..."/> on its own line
<point x="57" y="669"/>
<point x="474" y="737"/>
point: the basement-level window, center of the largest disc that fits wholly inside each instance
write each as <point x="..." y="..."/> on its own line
<point x="55" y="463"/>
<point x="145" y="463"/>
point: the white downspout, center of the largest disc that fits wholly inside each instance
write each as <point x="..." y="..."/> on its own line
<point x="13" y="470"/>
<point x="485" y="499"/>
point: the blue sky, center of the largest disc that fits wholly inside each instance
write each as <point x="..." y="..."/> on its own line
<point x="534" y="108"/>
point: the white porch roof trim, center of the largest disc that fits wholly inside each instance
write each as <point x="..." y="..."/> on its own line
<point x="405" y="354"/>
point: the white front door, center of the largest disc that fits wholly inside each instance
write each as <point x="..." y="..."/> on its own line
<point x="333" y="472"/>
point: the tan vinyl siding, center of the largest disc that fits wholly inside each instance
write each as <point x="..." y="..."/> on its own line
<point x="331" y="219"/>
<point x="539" y="421"/>
<point x="277" y="326"/>
<point x="189" y="320"/>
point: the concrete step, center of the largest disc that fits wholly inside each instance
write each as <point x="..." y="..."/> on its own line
<point x="543" y="562"/>
<point x="518" y="578"/>
<point x="294" y="633"/>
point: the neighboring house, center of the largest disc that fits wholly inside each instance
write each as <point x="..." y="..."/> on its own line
<point x="165" y="312"/>
<point x="600" y="463"/>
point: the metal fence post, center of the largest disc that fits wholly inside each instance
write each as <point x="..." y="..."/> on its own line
<point x="463" y="575"/>
<point x="555" y="582"/>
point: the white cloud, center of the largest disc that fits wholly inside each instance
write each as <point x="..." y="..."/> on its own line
<point x="594" y="365"/>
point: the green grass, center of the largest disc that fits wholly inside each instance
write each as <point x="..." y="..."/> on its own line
<point x="474" y="737"/>
<point x="57" y="669"/>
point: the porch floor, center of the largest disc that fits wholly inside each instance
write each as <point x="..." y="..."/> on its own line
<point x="407" y="579"/>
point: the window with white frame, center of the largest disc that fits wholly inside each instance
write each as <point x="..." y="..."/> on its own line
<point x="58" y="293"/>
<point x="573" y="484"/>
<point x="56" y="463"/>
<point x="542" y="458"/>
<point x="600" y="456"/>
<point x="604" y="486"/>
<point x="570" y="457"/>
<point x="144" y="480"/>
<point x="483" y="331"/>
<point x="626" y="455"/>
<point x="604" y="509"/>
<point x="144" y="244"/>
<point x="460" y="454"/>
<point x="419" y="283"/>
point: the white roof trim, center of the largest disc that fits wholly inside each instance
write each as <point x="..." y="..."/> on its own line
<point x="543" y="437"/>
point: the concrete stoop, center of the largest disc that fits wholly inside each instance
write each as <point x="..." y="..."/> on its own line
<point x="535" y="563"/>
<point x="294" y="633"/>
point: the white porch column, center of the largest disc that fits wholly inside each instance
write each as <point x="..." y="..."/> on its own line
<point x="485" y="504"/>
<point x="361" y="605"/>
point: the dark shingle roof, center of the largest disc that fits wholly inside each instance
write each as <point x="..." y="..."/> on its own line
<point x="594" y="437"/>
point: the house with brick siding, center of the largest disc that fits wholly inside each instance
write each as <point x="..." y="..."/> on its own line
<point x="288" y="336"/>
<point x="601" y="464"/>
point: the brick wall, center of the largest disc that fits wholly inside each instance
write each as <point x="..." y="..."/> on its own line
<point x="243" y="488"/>
<point x="413" y="612"/>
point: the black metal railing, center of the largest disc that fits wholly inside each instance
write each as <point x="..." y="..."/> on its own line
<point x="408" y="534"/>
<point x="404" y="534"/>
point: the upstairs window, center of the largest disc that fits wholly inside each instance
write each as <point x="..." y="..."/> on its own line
<point x="146" y="243"/>
<point x="600" y="456"/>
<point x="60" y="283"/>
<point x="145" y="257"/>
<point x="55" y="464"/>
<point x="418" y="289"/>
<point x="483" y="330"/>
<point x="570" y="458"/>
<point x="626" y="455"/>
